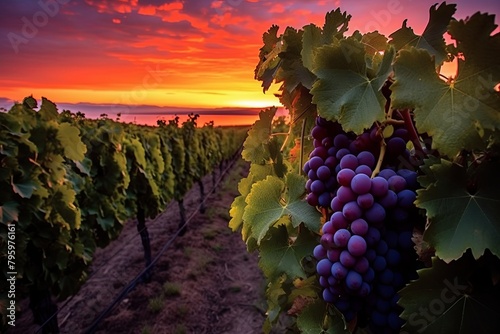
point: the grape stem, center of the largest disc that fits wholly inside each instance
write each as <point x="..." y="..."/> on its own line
<point x="380" y="158"/>
<point x="411" y="130"/>
<point x="391" y="121"/>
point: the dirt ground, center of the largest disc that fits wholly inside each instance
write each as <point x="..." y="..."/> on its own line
<point x="205" y="282"/>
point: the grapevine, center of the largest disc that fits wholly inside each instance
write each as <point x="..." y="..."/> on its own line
<point x="381" y="201"/>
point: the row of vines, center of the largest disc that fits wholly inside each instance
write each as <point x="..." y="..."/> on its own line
<point x="68" y="184"/>
<point x="379" y="210"/>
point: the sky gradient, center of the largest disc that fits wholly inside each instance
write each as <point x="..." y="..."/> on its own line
<point x="180" y="53"/>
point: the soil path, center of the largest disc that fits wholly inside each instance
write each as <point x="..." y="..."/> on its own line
<point x="206" y="282"/>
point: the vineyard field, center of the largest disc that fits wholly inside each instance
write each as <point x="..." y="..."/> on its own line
<point x="216" y="278"/>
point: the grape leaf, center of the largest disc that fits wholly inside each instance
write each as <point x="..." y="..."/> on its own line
<point x="461" y="218"/>
<point x="432" y="38"/>
<point x="314" y="320"/>
<point x="279" y="255"/>
<point x="9" y="212"/>
<point x="335" y="26"/>
<point x="25" y="188"/>
<point x="442" y="300"/>
<point x="273" y="200"/>
<point x="455" y="114"/>
<point x="254" y="147"/>
<point x="239" y="204"/>
<point x="48" y="110"/>
<point x="69" y="137"/>
<point x="345" y="91"/>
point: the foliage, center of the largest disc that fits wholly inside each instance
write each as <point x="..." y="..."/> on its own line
<point x="454" y="124"/>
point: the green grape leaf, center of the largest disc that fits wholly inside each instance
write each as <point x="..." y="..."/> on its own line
<point x="374" y="42"/>
<point x="63" y="203"/>
<point x="48" y="110"/>
<point x="9" y="212"/>
<point x="461" y="217"/>
<point x="345" y="90"/>
<point x="335" y="26"/>
<point x="432" y="38"/>
<point x="315" y="320"/>
<point x="84" y="166"/>
<point x="255" y="148"/>
<point x="25" y="188"/>
<point x="280" y="255"/>
<point x="455" y="114"/>
<point x="30" y="102"/>
<point x="442" y="300"/>
<point x="272" y="200"/>
<point x="69" y="137"/>
<point x="274" y="292"/>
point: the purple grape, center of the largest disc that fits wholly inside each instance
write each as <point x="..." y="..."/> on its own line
<point x="359" y="227"/>
<point x="382" y="247"/>
<point x="361" y="184"/>
<point x="386" y="276"/>
<point x="404" y="240"/>
<point x="349" y="161"/>
<point x="337" y="205"/>
<point x="395" y="146"/>
<point x="375" y="214"/>
<point x="328" y="296"/>
<point x="372" y="236"/>
<point x="365" y="201"/>
<point x="345" y="194"/>
<point x="390" y="200"/>
<point x="352" y="211"/>
<point x="406" y="198"/>
<point x="319" y="132"/>
<point x="386" y="173"/>
<point x="323" y="173"/>
<point x="326" y="241"/>
<point x="356" y="245"/>
<point x="379" y="187"/>
<point x="366" y="158"/>
<point x="331" y="162"/>
<point x="323" y="267"/>
<point x="379" y="264"/>
<point x="319" y="252"/>
<point x="338" y="221"/>
<point x="312" y="199"/>
<point x="315" y="163"/>
<point x="402" y="133"/>
<point x="338" y="271"/>
<point x="341" y="153"/>
<point x="317" y="187"/>
<point x="324" y="200"/>
<point x="333" y="254"/>
<point x="410" y="178"/>
<point x="362" y="265"/>
<point x="347" y="259"/>
<point x="328" y="227"/>
<point x="364" y="169"/>
<point x="341" y="141"/>
<point x="393" y="257"/>
<point x="397" y="183"/>
<point x="353" y="280"/>
<point x="321" y="152"/>
<point x="345" y="176"/>
<point x="323" y="281"/>
<point x="341" y="237"/>
<point x="369" y="276"/>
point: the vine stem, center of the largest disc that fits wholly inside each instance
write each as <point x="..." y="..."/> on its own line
<point x="302" y="135"/>
<point x="381" y="156"/>
<point x="411" y="130"/>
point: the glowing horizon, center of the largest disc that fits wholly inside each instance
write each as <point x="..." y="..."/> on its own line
<point x="199" y="53"/>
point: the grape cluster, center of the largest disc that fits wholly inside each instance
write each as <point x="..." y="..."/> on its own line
<point x="366" y="252"/>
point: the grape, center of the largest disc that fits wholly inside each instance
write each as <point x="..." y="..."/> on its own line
<point x="379" y="186"/>
<point x="319" y="132"/>
<point x="320" y="151"/>
<point x="380" y="263"/>
<point x="379" y="319"/>
<point x="337" y="205"/>
<point x="338" y="271"/>
<point x="349" y="161"/>
<point x="406" y="198"/>
<point x="324" y="200"/>
<point x="352" y="211"/>
<point x="347" y="259"/>
<point x="345" y="176"/>
<point x="361" y="184"/>
<point x="382" y="247"/>
<point x="319" y="252"/>
<point x="359" y="227"/>
<point x="397" y="183"/>
<point x="338" y="221"/>
<point x="317" y="187"/>
<point x="333" y="255"/>
<point x="389" y="200"/>
<point x="315" y="163"/>
<point x="393" y="257"/>
<point x="366" y="158"/>
<point x="341" y="141"/>
<point x="323" y="281"/>
<point x="410" y="178"/>
<point x="364" y="169"/>
<point x="365" y="201"/>
<point x="386" y="276"/>
<point x="341" y="153"/>
<point x="394" y="321"/>
<point x="375" y="214"/>
<point x="327" y="241"/>
<point x="362" y="265"/>
<point x="356" y="245"/>
<point x="396" y="146"/>
<point x="312" y="199"/>
<point x="353" y="280"/>
<point x="386" y="173"/>
<point x="345" y="194"/>
<point x="373" y="236"/>
<point x="323" y="173"/>
<point x="328" y="296"/>
<point x="323" y="267"/>
<point x="404" y="240"/>
<point x="328" y="227"/>
<point x="402" y="133"/>
<point x="331" y="161"/>
<point x="369" y="276"/>
<point x="341" y="237"/>
<point x="383" y="305"/>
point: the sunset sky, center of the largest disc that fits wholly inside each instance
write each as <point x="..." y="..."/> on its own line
<point x="180" y="53"/>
